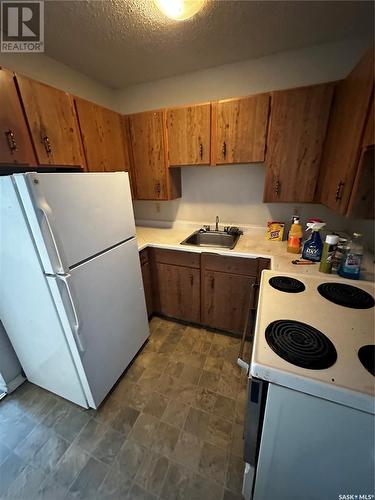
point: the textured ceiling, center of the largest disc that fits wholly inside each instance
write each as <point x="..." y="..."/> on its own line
<point x="121" y="42"/>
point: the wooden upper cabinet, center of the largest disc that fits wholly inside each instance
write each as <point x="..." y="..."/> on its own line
<point x="240" y="129"/>
<point x="361" y="203"/>
<point x="15" y="140"/>
<point x="103" y="136"/>
<point x="153" y="180"/>
<point x="369" y="135"/>
<point x="189" y="135"/>
<point x="53" y="123"/>
<point x="298" y="127"/>
<point x="345" y="133"/>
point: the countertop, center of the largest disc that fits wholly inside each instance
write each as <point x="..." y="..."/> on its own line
<point x="251" y="244"/>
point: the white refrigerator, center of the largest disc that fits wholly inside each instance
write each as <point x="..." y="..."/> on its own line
<point x="71" y="292"/>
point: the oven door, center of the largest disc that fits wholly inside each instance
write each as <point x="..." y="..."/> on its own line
<point x="256" y="402"/>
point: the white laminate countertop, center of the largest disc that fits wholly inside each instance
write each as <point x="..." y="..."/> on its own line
<point x="251" y="244"/>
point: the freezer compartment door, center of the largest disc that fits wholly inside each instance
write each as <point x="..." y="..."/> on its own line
<point x="80" y="214"/>
<point x="108" y="314"/>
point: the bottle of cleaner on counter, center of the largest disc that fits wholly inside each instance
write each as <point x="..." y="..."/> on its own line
<point x="329" y="249"/>
<point x="350" y="265"/>
<point x="295" y="236"/>
<point x="313" y="247"/>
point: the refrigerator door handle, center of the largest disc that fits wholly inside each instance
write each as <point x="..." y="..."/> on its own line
<point x="76" y="324"/>
<point x="44" y="210"/>
<point x="59" y="264"/>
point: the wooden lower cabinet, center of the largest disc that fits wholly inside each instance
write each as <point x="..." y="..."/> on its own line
<point x="226" y="300"/>
<point x="147" y="281"/>
<point x="178" y="292"/>
<point x="213" y="290"/>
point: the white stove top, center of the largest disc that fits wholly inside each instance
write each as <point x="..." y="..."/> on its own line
<point x="346" y="381"/>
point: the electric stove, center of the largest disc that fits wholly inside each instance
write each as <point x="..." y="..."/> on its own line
<point x="315" y="334"/>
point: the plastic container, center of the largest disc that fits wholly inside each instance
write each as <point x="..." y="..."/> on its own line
<point x="339" y="253"/>
<point x="350" y="266"/>
<point x="313" y="247"/>
<point x="328" y="253"/>
<point x="295" y="237"/>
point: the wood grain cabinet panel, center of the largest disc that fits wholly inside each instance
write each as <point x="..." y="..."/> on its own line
<point x="53" y="123"/>
<point x="189" y="135"/>
<point x="225" y="300"/>
<point x="153" y="179"/>
<point x="15" y="141"/>
<point x="345" y="134"/>
<point x="241" y="129"/>
<point x="178" y="293"/>
<point x="103" y="136"/>
<point x="361" y="203"/>
<point x="147" y="281"/>
<point x="298" y="125"/>
<point x="369" y="135"/>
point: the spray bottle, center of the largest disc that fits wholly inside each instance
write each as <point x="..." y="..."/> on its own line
<point x="313" y="247"/>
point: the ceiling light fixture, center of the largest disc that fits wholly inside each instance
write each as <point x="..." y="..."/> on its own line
<point x="179" y="10"/>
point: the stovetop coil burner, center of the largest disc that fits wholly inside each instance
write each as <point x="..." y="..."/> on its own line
<point x="366" y="356"/>
<point x="346" y="295"/>
<point x="286" y="284"/>
<point x="301" y="344"/>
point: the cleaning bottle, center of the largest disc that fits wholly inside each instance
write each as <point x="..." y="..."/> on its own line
<point x="328" y="253"/>
<point x="313" y="247"/>
<point x="350" y="265"/>
<point x="295" y="236"/>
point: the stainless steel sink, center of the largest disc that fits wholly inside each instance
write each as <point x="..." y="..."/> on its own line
<point x="220" y="239"/>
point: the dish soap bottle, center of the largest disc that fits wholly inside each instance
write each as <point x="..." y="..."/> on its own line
<point x="329" y="249"/>
<point x="313" y="247"/>
<point x="295" y="236"/>
<point x="350" y="265"/>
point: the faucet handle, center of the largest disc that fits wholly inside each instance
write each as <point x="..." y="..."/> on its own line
<point x="206" y="227"/>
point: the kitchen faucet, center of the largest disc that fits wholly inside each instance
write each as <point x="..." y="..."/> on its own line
<point x="217" y="223"/>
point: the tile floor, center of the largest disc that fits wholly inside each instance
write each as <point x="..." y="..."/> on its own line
<point x="171" y="429"/>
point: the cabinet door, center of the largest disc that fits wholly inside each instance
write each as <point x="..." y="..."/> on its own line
<point x="361" y="204"/>
<point x="226" y="300"/>
<point x="152" y="179"/>
<point x="178" y="293"/>
<point x="241" y="129"/>
<point x="342" y="147"/>
<point x="103" y="137"/>
<point x="369" y="135"/>
<point x="298" y="127"/>
<point x="15" y="140"/>
<point x="53" y="123"/>
<point x="146" y="277"/>
<point x="189" y="129"/>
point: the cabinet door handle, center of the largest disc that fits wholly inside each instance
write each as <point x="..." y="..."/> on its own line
<point x="11" y="138"/>
<point x="47" y="144"/>
<point x="191" y="280"/>
<point x="224" y="149"/>
<point x="212" y="283"/>
<point x="339" y="189"/>
<point x="277" y="187"/>
<point x="201" y="151"/>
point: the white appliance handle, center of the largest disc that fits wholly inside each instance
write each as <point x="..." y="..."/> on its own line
<point x="76" y="324"/>
<point x="44" y="209"/>
<point x="60" y="267"/>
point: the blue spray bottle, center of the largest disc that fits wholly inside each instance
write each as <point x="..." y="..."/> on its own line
<point x="313" y="247"/>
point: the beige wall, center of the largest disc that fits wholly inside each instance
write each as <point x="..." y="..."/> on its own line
<point x="48" y="70"/>
<point x="295" y="68"/>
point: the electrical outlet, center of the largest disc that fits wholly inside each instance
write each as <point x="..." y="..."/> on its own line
<point x="157" y="206"/>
